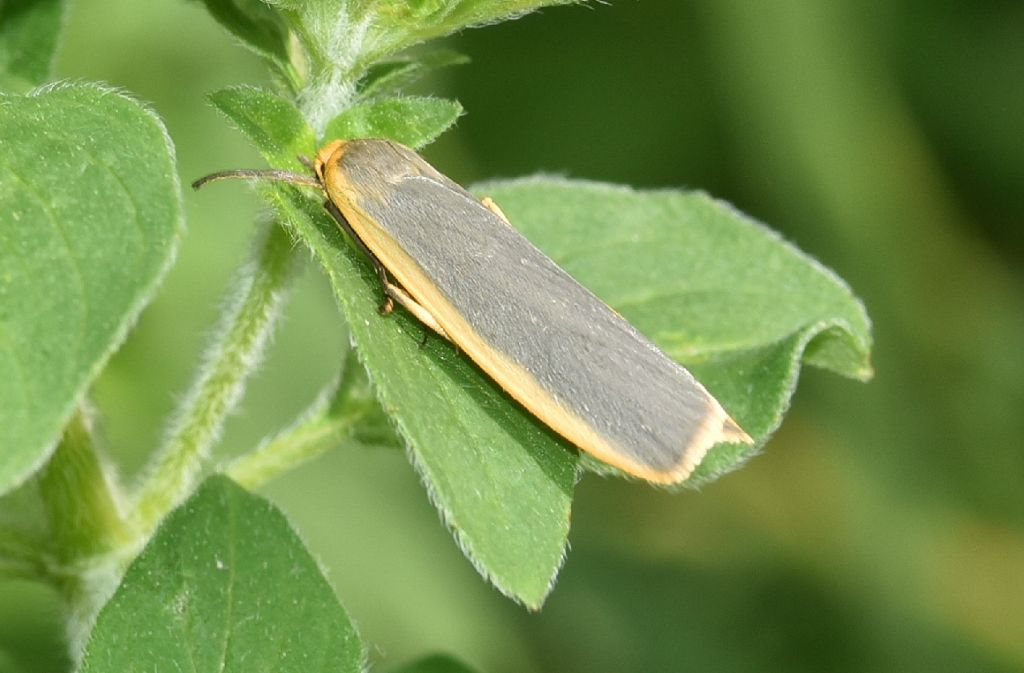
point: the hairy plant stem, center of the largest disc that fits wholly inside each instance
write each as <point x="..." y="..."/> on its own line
<point x="89" y="536"/>
<point x="328" y="421"/>
<point x="298" y="444"/>
<point x="81" y="501"/>
<point x="235" y="353"/>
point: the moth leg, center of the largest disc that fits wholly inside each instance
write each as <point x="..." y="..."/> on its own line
<point x="386" y="306"/>
<point x="412" y="306"/>
<point x="490" y="205"/>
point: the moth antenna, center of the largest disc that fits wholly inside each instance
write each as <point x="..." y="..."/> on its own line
<point x="258" y="174"/>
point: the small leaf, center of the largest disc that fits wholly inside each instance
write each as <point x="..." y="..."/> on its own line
<point x="398" y="24"/>
<point x="391" y="77"/>
<point x="29" y="30"/>
<point x="721" y="293"/>
<point x="90" y="212"/>
<point x="412" y="121"/>
<point x="256" y="24"/>
<point x="502" y="481"/>
<point x="224" y="586"/>
<point x="274" y="125"/>
<point x="438" y="663"/>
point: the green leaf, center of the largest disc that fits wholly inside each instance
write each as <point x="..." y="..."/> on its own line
<point x="391" y="77"/>
<point x="29" y="30"/>
<point x="259" y="27"/>
<point x="397" y="24"/>
<point x="412" y="121"/>
<point x="274" y="125"/>
<point x="355" y="398"/>
<point x="721" y="293"/>
<point x="90" y="212"/>
<point x="224" y="586"/>
<point x="438" y="663"/>
<point x="502" y="481"/>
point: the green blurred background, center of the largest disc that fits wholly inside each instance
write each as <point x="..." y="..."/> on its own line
<point x="883" y="527"/>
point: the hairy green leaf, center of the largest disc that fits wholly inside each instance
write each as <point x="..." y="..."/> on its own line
<point x="397" y="24"/>
<point x="391" y="77"/>
<point x="274" y="125"/>
<point x="721" y="293"/>
<point x="355" y="398"/>
<point x="412" y="121"/>
<point x="502" y="481"/>
<point x="258" y="26"/>
<point x="224" y="586"/>
<point x="29" y="30"/>
<point x="90" y="211"/>
<point x="342" y="39"/>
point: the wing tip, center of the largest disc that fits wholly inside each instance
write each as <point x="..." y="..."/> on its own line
<point x="718" y="428"/>
<point x="732" y="433"/>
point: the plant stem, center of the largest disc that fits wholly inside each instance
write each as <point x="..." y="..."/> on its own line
<point x="320" y="428"/>
<point x="18" y="569"/>
<point x="234" y="355"/>
<point x="295" y="445"/>
<point x="88" y="533"/>
<point x="21" y="556"/>
<point x="81" y="503"/>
